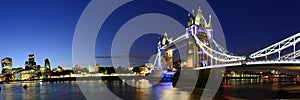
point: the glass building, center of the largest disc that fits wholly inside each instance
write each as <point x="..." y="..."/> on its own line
<point x="30" y="64"/>
<point x="47" y="65"/>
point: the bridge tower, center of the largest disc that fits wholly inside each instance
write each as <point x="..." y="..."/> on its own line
<point x="195" y="56"/>
<point x="165" y="54"/>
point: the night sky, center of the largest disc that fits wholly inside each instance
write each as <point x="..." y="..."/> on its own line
<point x="46" y="28"/>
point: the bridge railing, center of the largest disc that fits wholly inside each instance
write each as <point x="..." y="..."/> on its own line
<point x="296" y="61"/>
<point x="219" y="66"/>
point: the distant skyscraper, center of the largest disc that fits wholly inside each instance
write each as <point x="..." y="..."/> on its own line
<point x="6" y="65"/>
<point x="31" y="57"/>
<point x="30" y="64"/>
<point x="26" y="65"/>
<point x="38" y="67"/>
<point x="47" y="65"/>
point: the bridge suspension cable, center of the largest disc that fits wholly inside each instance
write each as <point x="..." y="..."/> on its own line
<point x="223" y="57"/>
<point x="220" y="48"/>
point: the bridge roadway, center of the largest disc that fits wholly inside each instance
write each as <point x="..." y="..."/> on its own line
<point x="269" y="64"/>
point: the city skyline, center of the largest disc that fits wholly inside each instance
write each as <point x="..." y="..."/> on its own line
<point x="52" y="36"/>
<point x="43" y="28"/>
<point x="149" y="49"/>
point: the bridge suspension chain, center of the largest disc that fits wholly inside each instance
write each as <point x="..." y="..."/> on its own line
<point x="223" y="57"/>
<point x="220" y="48"/>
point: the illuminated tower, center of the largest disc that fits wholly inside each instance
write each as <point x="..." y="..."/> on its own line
<point x="196" y="28"/>
<point x="30" y="64"/>
<point x="166" y="54"/>
<point x="196" y="57"/>
<point x="47" y="65"/>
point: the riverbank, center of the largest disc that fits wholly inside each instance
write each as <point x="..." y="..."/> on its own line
<point x="91" y="78"/>
<point x="123" y="78"/>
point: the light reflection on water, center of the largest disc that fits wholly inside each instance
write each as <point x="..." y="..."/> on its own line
<point x="230" y="89"/>
<point x="272" y="88"/>
<point x="36" y="90"/>
<point x="143" y="90"/>
<point x="70" y="90"/>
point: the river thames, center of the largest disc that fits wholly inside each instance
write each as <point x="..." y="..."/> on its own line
<point x="272" y="88"/>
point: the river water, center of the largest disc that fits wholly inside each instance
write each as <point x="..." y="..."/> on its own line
<point x="274" y="88"/>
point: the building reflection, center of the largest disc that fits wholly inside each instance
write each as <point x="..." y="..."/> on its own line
<point x="144" y="90"/>
<point x="40" y="91"/>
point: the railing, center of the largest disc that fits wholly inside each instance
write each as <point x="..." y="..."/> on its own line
<point x="219" y="66"/>
<point x="273" y="62"/>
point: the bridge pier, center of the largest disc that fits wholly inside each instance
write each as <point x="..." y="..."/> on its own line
<point x="203" y="76"/>
<point x="198" y="78"/>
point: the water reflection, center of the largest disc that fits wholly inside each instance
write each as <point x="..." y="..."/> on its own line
<point x="140" y="89"/>
<point x="260" y="88"/>
<point x="44" y="91"/>
<point x="272" y="88"/>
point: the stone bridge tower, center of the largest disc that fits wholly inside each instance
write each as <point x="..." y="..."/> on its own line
<point x="196" y="57"/>
<point x="198" y="25"/>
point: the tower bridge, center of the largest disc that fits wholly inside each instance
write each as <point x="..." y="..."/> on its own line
<point x="203" y="52"/>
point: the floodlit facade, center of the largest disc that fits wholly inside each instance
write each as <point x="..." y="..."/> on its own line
<point x="6" y="65"/>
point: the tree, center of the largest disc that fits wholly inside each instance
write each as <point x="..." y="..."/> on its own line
<point x="136" y="69"/>
<point x="101" y="70"/>
<point x="111" y="70"/>
<point x="120" y="69"/>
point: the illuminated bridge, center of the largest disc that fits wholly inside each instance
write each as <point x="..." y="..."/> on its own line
<point x="204" y="52"/>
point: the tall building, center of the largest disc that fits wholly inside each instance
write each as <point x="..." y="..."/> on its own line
<point x="38" y="67"/>
<point x="167" y="54"/>
<point x="196" y="57"/>
<point x="6" y="65"/>
<point x="30" y="64"/>
<point x="47" y="65"/>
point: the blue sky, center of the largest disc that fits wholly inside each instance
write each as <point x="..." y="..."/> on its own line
<point x="46" y="27"/>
